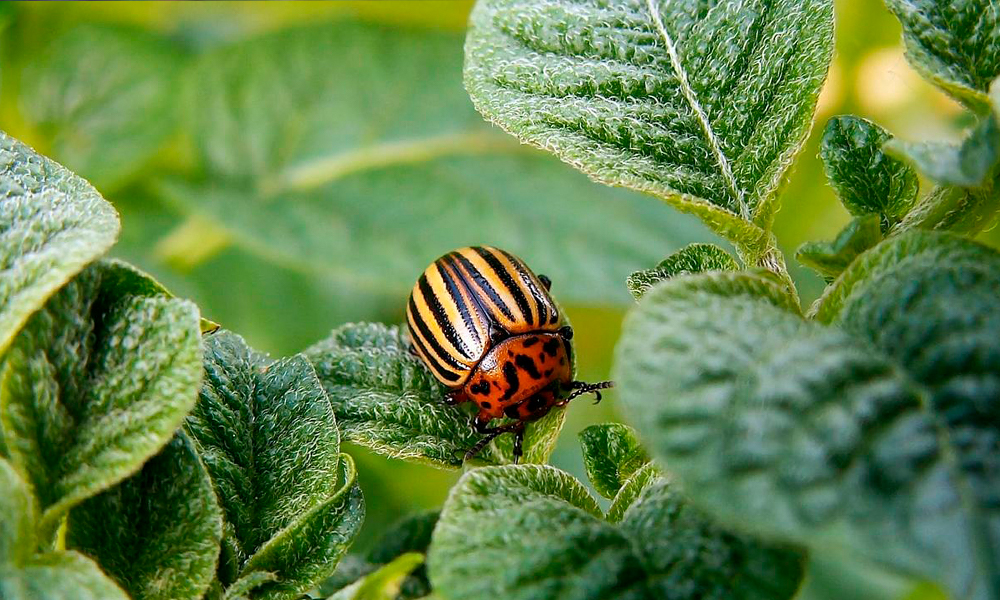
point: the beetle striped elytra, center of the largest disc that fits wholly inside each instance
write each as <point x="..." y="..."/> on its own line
<point x="487" y="328"/>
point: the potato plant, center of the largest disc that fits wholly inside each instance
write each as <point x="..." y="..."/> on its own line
<point x="772" y="450"/>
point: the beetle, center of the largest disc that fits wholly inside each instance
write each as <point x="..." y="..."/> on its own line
<point x="488" y="329"/>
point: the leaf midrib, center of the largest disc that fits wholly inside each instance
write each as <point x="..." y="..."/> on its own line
<point x="691" y="97"/>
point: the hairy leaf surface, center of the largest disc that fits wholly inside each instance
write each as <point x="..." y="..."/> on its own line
<point x="693" y="258"/>
<point x="105" y="96"/>
<point x="268" y="437"/>
<point x="52" y="223"/>
<point x="387" y="400"/>
<point x="866" y="179"/>
<point x="298" y="171"/>
<point x="876" y="440"/>
<point x="533" y="531"/>
<point x="95" y="384"/>
<point x="611" y="455"/>
<point x="701" y="103"/>
<point x="158" y="532"/>
<point x="954" y="44"/>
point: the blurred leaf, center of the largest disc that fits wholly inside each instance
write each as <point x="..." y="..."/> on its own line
<point x="866" y="180"/>
<point x="59" y="575"/>
<point x="383" y="584"/>
<point x="267" y="435"/>
<point x="530" y="531"/>
<point x="106" y="97"/>
<point x="158" y="532"/>
<point x="701" y="104"/>
<point x="877" y="443"/>
<point x="953" y="44"/>
<point x="385" y="399"/>
<point x="829" y="259"/>
<point x="17" y="517"/>
<point x="693" y="258"/>
<point x="52" y="223"/>
<point x="611" y="455"/>
<point x="410" y="535"/>
<point x="95" y="384"/>
<point x="298" y="171"/>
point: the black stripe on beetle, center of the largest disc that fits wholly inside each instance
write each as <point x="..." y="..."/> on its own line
<point x="503" y="274"/>
<point x="459" y="300"/>
<point x="444" y="356"/>
<point x="441" y="317"/>
<point x="485" y="286"/>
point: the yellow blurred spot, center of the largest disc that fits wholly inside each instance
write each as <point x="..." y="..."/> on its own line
<point x="832" y="95"/>
<point x="885" y="81"/>
<point x="191" y="243"/>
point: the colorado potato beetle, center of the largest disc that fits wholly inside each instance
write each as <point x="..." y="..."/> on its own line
<point x="487" y="328"/>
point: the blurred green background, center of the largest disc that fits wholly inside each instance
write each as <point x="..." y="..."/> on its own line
<point x="293" y="166"/>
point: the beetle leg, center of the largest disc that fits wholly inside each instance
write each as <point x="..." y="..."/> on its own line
<point x="582" y="387"/>
<point x="545" y="281"/>
<point x="518" y="442"/>
<point x="481" y="424"/>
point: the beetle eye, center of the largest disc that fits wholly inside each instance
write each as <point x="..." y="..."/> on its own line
<point x="566" y="332"/>
<point x="545" y="281"/>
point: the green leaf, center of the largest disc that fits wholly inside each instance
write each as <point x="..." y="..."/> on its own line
<point x="532" y="531"/>
<point x="701" y="104"/>
<point x="829" y="259"/>
<point x="633" y="487"/>
<point x="866" y="180"/>
<point x="385" y="399"/>
<point x="105" y="97"/>
<point x="299" y="172"/>
<point x="953" y="44"/>
<point x="972" y="164"/>
<point x="17" y="517"/>
<point x="693" y="258"/>
<point x="94" y="385"/>
<point x="53" y="223"/>
<point x="408" y="535"/>
<point x="385" y="583"/>
<point x="411" y="534"/>
<point x="874" y="442"/>
<point x="921" y="248"/>
<point x="611" y="455"/>
<point x="58" y="576"/>
<point x="54" y="576"/>
<point x="268" y="436"/>
<point x="157" y="533"/>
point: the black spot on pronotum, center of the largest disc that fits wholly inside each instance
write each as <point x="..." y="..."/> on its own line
<point x="510" y="375"/>
<point x="481" y="388"/>
<point x="562" y="361"/>
<point x="486" y="405"/>
<point x="531" y="341"/>
<point x="548" y="372"/>
<point x="511" y="411"/>
<point x="551" y="347"/>
<point x="527" y="365"/>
